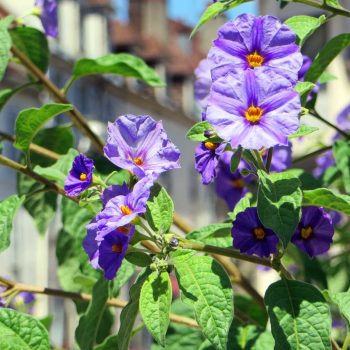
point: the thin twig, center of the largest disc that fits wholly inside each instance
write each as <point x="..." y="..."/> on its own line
<point x="201" y="247"/>
<point x="77" y="118"/>
<point x="312" y="154"/>
<point x="51" y="186"/>
<point x="115" y="302"/>
<point x="325" y="121"/>
<point x="33" y="147"/>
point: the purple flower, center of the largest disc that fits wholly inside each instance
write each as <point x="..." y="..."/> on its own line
<point x="253" y="42"/>
<point x="230" y="186"/>
<point x="323" y="162"/>
<point x="254" y="109"/>
<point x="108" y="251"/>
<point x="48" y="16"/>
<point x="314" y="233"/>
<point x="304" y="68"/>
<point x="114" y="191"/>
<point x="202" y="83"/>
<point x="80" y="176"/>
<point x="123" y="209"/>
<point x="251" y="237"/>
<point x="140" y="145"/>
<point x="281" y="159"/>
<point x="23" y="302"/>
<point x="343" y="118"/>
<point x="112" y="250"/>
<point x="207" y="156"/>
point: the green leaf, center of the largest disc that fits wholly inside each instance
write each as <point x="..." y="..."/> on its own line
<point x="33" y="43"/>
<point x="213" y="234"/>
<point x="19" y="331"/>
<point x="155" y="302"/>
<point x="138" y="259"/>
<point x="8" y="209"/>
<point x="336" y="5"/>
<point x="308" y="181"/>
<point x="250" y="338"/>
<point x="342" y="300"/>
<point x="47" y="322"/>
<point x="303" y="87"/>
<point x="160" y="209"/>
<point x="341" y="151"/>
<point x="58" y="171"/>
<point x="58" y="139"/>
<point x="196" y="133"/>
<point x="214" y="10"/>
<point x="323" y="197"/>
<point x="299" y="315"/>
<point x="124" y="274"/>
<point x="279" y="203"/>
<point x="40" y="204"/>
<point x="130" y="311"/>
<point x="326" y="77"/>
<point x="29" y="121"/>
<point x="236" y="159"/>
<point x="109" y="343"/>
<point x="304" y="26"/>
<point x="122" y="64"/>
<point x="5" y="45"/>
<point x="242" y="205"/>
<point x="86" y="332"/>
<point x="247" y="306"/>
<point x="206" y="287"/>
<point x="180" y="336"/>
<point x="6" y="94"/>
<point x="326" y="56"/>
<point x="303" y="130"/>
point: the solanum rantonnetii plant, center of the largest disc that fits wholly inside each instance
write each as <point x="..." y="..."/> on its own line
<point x="253" y="88"/>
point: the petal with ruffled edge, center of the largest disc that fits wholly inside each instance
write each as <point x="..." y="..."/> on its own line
<point x="140" y="144"/>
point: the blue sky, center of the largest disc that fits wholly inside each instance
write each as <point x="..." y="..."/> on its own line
<point x="188" y="11"/>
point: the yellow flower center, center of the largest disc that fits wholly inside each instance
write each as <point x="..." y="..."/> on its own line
<point x="138" y="161"/>
<point x="125" y="210"/>
<point x="253" y="114"/>
<point x="255" y="60"/>
<point x="259" y="233"/>
<point x="83" y="176"/>
<point x="123" y="229"/>
<point x="239" y="183"/>
<point x="117" y="248"/>
<point x="211" y="145"/>
<point x="306" y="232"/>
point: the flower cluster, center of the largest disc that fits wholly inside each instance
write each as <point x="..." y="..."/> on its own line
<point x="140" y="145"/>
<point x="246" y="89"/>
<point x="313" y="235"/>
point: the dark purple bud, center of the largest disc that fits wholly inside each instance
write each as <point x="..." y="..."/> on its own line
<point x="209" y="133"/>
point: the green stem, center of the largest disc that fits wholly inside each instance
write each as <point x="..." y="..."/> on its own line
<point x="137" y="329"/>
<point x="109" y="176"/>
<point x="346" y="342"/>
<point x="257" y="156"/>
<point x="201" y="247"/>
<point x="68" y="85"/>
<point x="324" y="7"/>
<point x="269" y="159"/>
<point x="325" y="121"/>
<point x="150" y="233"/>
<point x="312" y="154"/>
